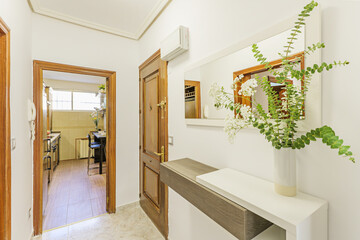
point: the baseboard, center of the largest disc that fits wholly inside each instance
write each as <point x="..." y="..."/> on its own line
<point x="31" y="235"/>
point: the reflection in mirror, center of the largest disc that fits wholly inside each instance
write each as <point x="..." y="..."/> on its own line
<point x="192" y="99"/>
<point x="223" y="70"/>
<point x="260" y="71"/>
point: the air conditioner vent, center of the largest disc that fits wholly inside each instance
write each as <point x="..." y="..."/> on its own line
<point x="175" y="44"/>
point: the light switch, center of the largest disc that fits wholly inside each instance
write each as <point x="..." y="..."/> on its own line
<point x="13" y="143"/>
<point x="171" y="140"/>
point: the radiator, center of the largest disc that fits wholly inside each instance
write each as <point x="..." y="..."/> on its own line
<point x="81" y="148"/>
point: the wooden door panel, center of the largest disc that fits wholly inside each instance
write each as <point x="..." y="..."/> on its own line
<point x="151" y="114"/>
<point x="151" y="184"/>
<point x="153" y="140"/>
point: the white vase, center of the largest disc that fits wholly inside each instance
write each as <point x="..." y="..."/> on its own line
<point x="285" y="172"/>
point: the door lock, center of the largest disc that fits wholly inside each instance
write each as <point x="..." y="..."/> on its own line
<point x="161" y="155"/>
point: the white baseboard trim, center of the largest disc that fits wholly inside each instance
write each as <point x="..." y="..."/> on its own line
<point x="31" y="235"/>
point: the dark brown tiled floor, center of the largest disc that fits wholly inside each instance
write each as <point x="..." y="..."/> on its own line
<point x="73" y="195"/>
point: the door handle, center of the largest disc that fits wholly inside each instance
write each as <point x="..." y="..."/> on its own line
<point x="162" y="106"/>
<point x="161" y="155"/>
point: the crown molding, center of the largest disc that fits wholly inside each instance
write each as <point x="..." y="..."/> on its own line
<point x="136" y="35"/>
<point x="154" y="13"/>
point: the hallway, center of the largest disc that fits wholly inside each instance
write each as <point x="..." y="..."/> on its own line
<point x="129" y="222"/>
<point x="73" y="195"/>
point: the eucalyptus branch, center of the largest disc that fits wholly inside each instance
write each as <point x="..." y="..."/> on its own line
<point x="296" y="30"/>
<point x="279" y="123"/>
<point x="328" y="136"/>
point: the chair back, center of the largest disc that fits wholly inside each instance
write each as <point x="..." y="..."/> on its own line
<point x="89" y="138"/>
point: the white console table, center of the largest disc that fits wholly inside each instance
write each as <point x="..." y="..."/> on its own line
<point x="302" y="217"/>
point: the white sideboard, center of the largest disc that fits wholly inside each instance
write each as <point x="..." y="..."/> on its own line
<point x="302" y="217"/>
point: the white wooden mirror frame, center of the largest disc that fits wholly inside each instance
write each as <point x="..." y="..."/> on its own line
<point x="313" y="102"/>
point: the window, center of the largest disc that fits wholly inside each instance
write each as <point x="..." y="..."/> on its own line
<point x="67" y="100"/>
<point x="61" y="100"/>
<point x="85" y="101"/>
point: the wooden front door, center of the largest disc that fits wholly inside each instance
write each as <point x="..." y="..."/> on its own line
<point x="153" y="139"/>
<point x="5" y="151"/>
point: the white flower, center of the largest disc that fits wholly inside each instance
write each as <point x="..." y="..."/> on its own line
<point x="220" y="98"/>
<point x="236" y="80"/>
<point x="214" y="90"/>
<point x="245" y="112"/>
<point x="233" y="125"/>
<point x="248" y="88"/>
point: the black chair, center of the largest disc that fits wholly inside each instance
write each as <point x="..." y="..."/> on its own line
<point x="94" y="146"/>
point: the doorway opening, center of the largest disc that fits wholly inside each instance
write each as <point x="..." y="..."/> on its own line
<point x="74" y="146"/>
<point x="5" y="154"/>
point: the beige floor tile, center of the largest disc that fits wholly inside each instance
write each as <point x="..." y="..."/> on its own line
<point x="129" y="223"/>
<point x="56" y="234"/>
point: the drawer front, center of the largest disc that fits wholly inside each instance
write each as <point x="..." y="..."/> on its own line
<point x="237" y="220"/>
<point x="227" y="214"/>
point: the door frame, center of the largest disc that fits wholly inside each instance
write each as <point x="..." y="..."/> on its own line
<point x="38" y="68"/>
<point x="5" y="145"/>
<point x="164" y="227"/>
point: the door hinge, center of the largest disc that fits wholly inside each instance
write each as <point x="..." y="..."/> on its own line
<point x="139" y="146"/>
<point x="139" y="195"/>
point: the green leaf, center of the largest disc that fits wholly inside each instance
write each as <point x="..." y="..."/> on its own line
<point x="305" y="139"/>
<point x="343" y="149"/>
<point x="332" y="140"/>
<point x="348" y="153"/>
<point x="310" y="136"/>
<point x="337" y="144"/>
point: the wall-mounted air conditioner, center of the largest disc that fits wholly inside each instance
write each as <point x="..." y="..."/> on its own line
<point x="175" y="44"/>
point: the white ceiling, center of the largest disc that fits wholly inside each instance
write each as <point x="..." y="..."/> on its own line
<point x="127" y="18"/>
<point x="72" y="77"/>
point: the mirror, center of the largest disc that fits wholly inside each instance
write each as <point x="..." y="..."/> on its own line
<point x="223" y="70"/>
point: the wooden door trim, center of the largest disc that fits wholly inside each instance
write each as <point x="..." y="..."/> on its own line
<point x="164" y="228"/>
<point x="153" y="57"/>
<point x="275" y="64"/>
<point x="38" y="67"/>
<point x="5" y="148"/>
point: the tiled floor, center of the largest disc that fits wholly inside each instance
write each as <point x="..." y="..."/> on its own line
<point x="128" y="223"/>
<point x="73" y="195"/>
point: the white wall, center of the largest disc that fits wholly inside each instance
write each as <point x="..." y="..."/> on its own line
<point x="215" y="25"/>
<point x="17" y="16"/>
<point x="62" y="42"/>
